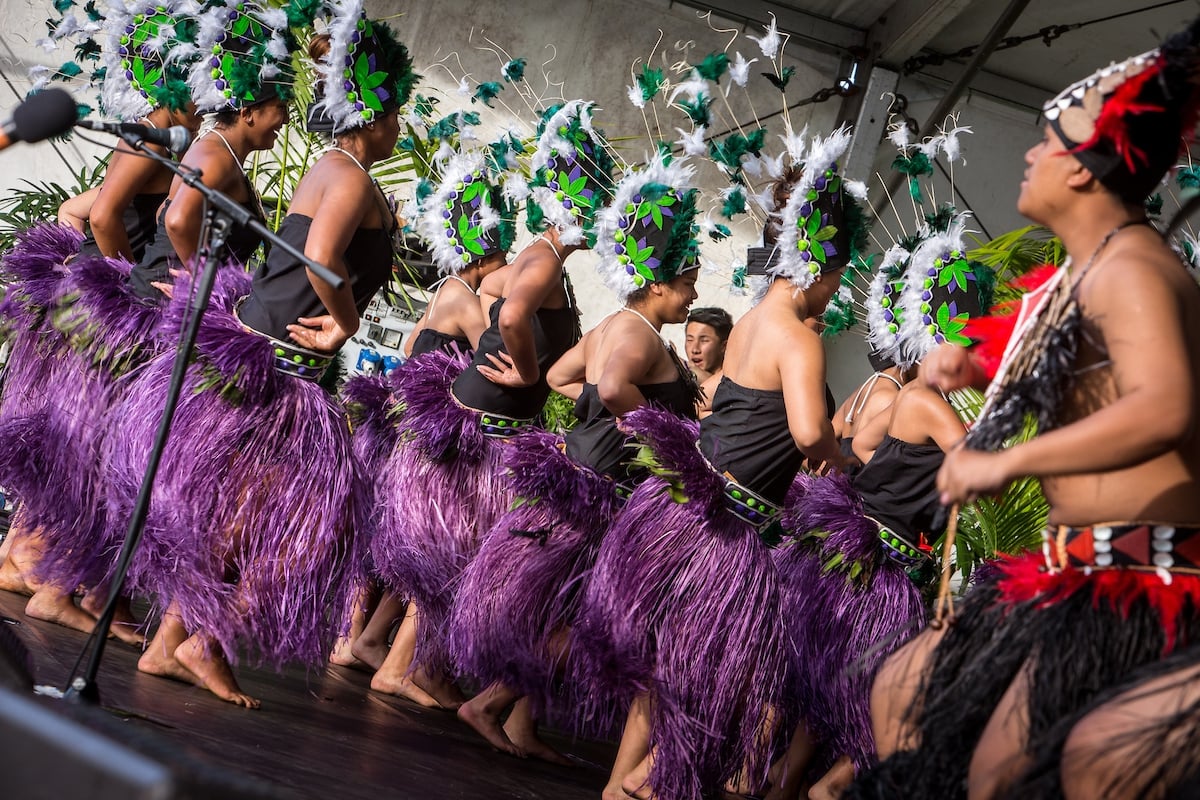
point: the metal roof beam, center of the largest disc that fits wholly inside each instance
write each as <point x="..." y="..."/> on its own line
<point x="909" y="25"/>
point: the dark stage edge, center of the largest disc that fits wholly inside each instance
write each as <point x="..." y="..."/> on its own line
<point x="318" y="735"/>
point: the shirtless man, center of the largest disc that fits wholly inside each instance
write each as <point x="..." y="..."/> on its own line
<point x="1118" y="455"/>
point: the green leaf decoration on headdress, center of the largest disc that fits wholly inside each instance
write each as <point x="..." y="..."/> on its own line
<point x="780" y="81"/>
<point x="514" y="70"/>
<point x="487" y="92"/>
<point x="649" y="81"/>
<point x="697" y="111"/>
<point x="713" y="66"/>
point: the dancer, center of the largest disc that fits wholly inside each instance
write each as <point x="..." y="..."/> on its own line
<point x="466" y="200"/>
<point x="705" y="337"/>
<point x="449" y="485"/>
<point x="859" y="550"/>
<point x="1103" y="355"/>
<point x="696" y="547"/>
<point x="520" y="595"/>
<point x="253" y="420"/>
<point x="145" y="79"/>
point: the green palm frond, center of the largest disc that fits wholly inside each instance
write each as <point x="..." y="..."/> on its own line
<point x="38" y="201"/>
<point x="1009" y="524"/>
<point x="1015" y="253"/>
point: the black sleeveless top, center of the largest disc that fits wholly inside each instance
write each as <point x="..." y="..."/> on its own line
<point x="429" y="340"/>
<point x="555" y="331"/>
<point x="596" y="441"/>
<point x="140" y="225"/>
<point x="747" y="436"/>
<point x="282" y="293"/>
<point x="899" y="487"/>
<point x="160" y="256"/>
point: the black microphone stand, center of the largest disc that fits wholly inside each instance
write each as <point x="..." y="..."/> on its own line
<point x="221" y="215"/>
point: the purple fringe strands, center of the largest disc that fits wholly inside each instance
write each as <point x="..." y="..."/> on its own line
<point x="257" y="484"/>
<point x="848" y="606"/>
<point x="442" y="487"/>
<point x="523" y="590"/>
<point x="684" y="602"/>
<point x="34" y="270"/>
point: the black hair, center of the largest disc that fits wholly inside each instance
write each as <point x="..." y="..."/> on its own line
<point x="716" y="318"/>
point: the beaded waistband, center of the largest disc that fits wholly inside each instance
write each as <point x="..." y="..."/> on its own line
<point x="290" y="358"/>
<point x="750" y="506"/>
<point x="897" y="548"/>
<point x="501" y="427"/>
<point x="1136" y="545"/>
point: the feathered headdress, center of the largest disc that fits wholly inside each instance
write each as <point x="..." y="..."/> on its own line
<point x="465" y="218"/>
<point x="647" y="234"/>
<point x="571" y="173"/>
<point x="366" y="71"/>
<point x="246" y="51"/>
<point x="141" y="72"/>
<point x="1127" y="121"/>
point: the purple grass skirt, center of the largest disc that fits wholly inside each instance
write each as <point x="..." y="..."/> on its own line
<point x="684" y="602"/>
<point x="524" y="588"/>
<point x="441" y="488"/>
<point x="254" y="519"/>
<point x="848" y="607"/>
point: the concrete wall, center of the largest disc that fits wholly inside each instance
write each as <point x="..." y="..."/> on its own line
<point x="596" y="42"/>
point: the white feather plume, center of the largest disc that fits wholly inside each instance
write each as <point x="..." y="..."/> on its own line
<point x="739" y="70"/>
<point x="635" y="96"/>
<point x="770" y="41"/>
<point x="693" y="143"/>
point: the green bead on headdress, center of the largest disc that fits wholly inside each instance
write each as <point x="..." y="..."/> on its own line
<point x="367" y="71"/>
<point x="245" y="56"/>
<point x="648" y="234"/>
<point x="572" y="172"/>
<point x="141" y="70"/>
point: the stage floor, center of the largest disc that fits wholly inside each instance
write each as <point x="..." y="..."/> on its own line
<point x="321" y="735"/>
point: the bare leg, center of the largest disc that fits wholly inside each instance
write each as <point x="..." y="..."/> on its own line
<point x="1001" y="757"/>
<point x="159" y="656"/>
<point x="124" y="624"/>
<point x="787" y="775"/>
<point x="895" y="690"/>
<point x="205" y="660"/>
<point x="634" y="747"/>
<point x="393" y="676"/>
<point x="483" y="711"/>
<point x="371" y="646"/>
<point x="1125" y="750"/>
<point x="521" y="728"/>
<point x="342" y="654"/>
<point x="835" y="782"/>
<point x="637" y="782"/>
<point x="53" y="604"/>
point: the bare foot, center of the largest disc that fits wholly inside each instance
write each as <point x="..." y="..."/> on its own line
<point x="487" y="725"/>
<point x="402" y="686"/>
<point x="155" y="661"/>
<point x="213" y="671"/>
<point x="637" y="783"/>
<point x="444" y="691"/>
<point x="343" y="655"/>
<point x="528" y="742"/>
<point x="369" y="652"/>
<point x="51" y="605"/>
<point x="11" y="579"/>
<point x="124" y="625"/>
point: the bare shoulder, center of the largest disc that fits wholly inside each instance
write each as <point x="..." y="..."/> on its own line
<point x="1139" y="269"/>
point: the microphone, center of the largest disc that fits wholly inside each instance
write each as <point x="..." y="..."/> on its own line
<point x="175" y="138"/>
<point x="48" y="113"/>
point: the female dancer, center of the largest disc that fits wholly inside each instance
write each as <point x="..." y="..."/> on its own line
<point x="254" y="421"/>
<point x="695" y="547"/>
<point x="144" y="80"/>
<point x="449" y="484"/>
<point x="451" y="326"/>
<point x="520" y="595"/>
